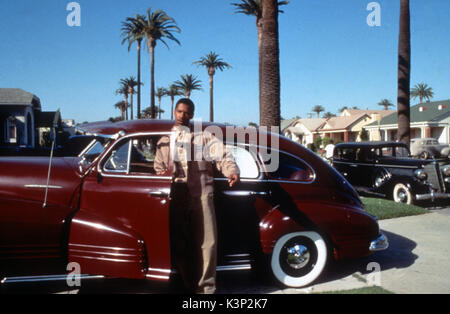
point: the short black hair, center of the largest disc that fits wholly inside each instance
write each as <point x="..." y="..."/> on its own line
<point x="187" y="102"/>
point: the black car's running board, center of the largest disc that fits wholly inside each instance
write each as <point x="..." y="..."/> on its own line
<point x="366" y="191"/>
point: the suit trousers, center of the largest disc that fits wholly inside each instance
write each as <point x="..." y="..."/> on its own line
<point x="194" y="238"/>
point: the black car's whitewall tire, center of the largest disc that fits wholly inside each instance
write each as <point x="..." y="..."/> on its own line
<point x="402" y="194"/>
<point x="299" y="258"/>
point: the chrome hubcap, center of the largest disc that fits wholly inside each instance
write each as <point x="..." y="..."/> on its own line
<point x="402" y="196"/>
<point x="297" y="256"/>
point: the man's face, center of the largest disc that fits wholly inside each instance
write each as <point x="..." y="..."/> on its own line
<point x="183" y="114"/>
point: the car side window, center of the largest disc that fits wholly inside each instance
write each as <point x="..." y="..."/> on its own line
<point x="134" y="156"/>
<point x="348" y="154"/>
<point x="245" y="161"/>
<point x="387" y="152"/>
<point x="118" y="159"/>
<point x="401" y="152"/>
<point x="292" y="169"/>
<point x="361" y="155"/>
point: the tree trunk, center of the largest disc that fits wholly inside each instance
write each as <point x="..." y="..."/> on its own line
<point x="131" y="103"/>
<point x="126" y="106"/>
<point x="172" y="99"/>
<point x="159" y="108"/>
<point x="152" y="80"/>
<point x="211" y="98"/>
<point x="270" y="66"/>
<point x="259" y="30"/>
<point x="404" y="70"/>
<point x="139" y="80"/>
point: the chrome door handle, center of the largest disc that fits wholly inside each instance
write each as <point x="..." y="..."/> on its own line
<point x="259" y="193"/>
<point x="244" y="193"/>
<point x="159" y="194"/>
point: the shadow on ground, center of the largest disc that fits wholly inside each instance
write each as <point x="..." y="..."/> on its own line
<point x="398" y="255"/>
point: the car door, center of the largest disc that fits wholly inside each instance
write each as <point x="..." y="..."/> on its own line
<point x="362" y="169"/>
<point x="122" y="228"/>
<point x="237" y="211"/>
<point x="344" y="161"/>
<point x="32" y="213"/>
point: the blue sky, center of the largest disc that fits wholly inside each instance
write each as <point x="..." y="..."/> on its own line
<point x="329" y="56"/>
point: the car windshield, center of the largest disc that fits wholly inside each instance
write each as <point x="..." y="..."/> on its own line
<point x="94" y="149"/>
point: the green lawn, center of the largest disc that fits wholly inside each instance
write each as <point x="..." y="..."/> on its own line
<point x="386" y="209"/>
<point x="365" y="290"/>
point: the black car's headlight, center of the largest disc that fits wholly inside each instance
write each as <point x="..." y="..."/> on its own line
<point x="421" y="174"/>
<point x="446" y="171"/>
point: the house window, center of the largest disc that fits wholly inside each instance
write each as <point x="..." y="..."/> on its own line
<point x="11" y="130"/>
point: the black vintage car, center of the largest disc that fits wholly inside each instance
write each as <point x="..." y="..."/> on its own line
<point x="386" y="169"/>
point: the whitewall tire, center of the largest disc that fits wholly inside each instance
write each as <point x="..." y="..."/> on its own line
<point x="401" y="194"/>
<point x="299" y="258"/>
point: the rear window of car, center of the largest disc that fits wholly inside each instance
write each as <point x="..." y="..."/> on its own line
<point x="291" y="168"/>
<point x="345" y="154"/>
<point x="244" y="159"/>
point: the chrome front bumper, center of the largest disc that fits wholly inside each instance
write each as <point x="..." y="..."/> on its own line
<point x="432" y="196"/>
<point x="379" y="244"/>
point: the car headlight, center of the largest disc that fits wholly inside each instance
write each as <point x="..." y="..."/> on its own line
<point x="421" y="174"/>
<point x="446" y="171"/>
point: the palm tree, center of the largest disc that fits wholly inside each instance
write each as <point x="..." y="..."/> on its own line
<point x="341" y="110"/>
<point x="254" y="8"/>
<point x="386" y="104"/>
<point x="318" y="109"/>
<point x="270" y="66"/>
<point x="148" y="113"/>
<point x="130" y="83"/>
<point x="212" y="62"/>
<point x="422" y="91"/>
<point x="133" y="31"/>
<point x="187" y="84"/>
<point x="121" y="105"/>
<point x="328" y="115"/>
<point x="404" y="74"/>
<point x="157" y="26"/>
<point x="160" y="93"/>
<point x="123" y="90"/>
<point x="173" y="91"/>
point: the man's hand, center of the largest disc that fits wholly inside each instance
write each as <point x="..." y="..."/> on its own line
<point x="233" y="179"/>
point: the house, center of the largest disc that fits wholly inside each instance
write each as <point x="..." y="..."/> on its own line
<point x="21" y="118"/>
<point x="348" y="126"/>
<point x="303" y="131"/>
<point x="345" y="128"/>
<point x="431" y="119"/>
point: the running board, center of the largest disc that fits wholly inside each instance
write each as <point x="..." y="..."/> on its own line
<point x="24" y="279"/>
<point x="7" y="280"/>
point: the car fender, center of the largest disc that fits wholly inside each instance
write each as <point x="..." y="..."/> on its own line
<point x="274" y="225"/>
<point x="104" y="247"/>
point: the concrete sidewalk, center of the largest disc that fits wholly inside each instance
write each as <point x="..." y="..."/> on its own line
<point x="424" y="243"/>
<point x="417" y="260"/>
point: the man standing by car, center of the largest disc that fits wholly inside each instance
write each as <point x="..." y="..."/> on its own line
<point x="192" y="212"/>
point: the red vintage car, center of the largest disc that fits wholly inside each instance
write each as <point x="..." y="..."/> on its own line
<point x="108" y="211"/>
